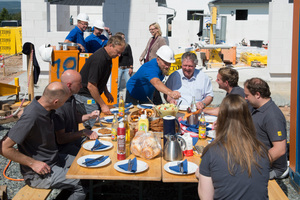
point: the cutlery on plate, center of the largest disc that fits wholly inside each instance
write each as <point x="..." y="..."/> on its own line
<point x="97" y="146"/>
<point x="91" y="161"/>
<point x="130" y="163"/>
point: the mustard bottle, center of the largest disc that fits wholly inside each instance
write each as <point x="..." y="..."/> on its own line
<point x="143" y="124"/>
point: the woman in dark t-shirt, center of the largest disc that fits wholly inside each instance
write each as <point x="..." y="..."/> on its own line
<point x="235" y="165"/>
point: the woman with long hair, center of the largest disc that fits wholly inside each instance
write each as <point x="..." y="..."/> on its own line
<point x="236" y="164"/>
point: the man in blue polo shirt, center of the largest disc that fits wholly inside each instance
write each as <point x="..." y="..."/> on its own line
<point x="97" y="40"/>
<point x="270" y="124"/>
<point x="76" y="35"/>
<point x="150" y="75"/>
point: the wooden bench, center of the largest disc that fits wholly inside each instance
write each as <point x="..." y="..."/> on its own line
<point x="29" y="193"/>
<point x="275" y="192"/>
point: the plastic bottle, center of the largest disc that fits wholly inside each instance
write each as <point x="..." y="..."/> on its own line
<point x="121" y="150"/>
<point x="114" y="128"/>
<point x="202" y="126"/>
<point x="193" y="105"/>
<point x="143" y="124"/>
<point x="121" y="107"/>
<point x="127" y="129"/>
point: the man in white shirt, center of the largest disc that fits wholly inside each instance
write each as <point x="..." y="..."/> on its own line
<point x="190" y="82"/>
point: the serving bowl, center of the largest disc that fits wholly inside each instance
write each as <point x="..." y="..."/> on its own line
<point x="167" y="109"/>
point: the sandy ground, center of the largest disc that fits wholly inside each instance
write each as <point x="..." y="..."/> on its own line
<point x="13" y="68"/>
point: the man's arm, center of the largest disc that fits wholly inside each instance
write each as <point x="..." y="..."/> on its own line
<point x="91" y="115"/>
<point x="8" y="151"/>
<point x="213" y="111"/>
<point x="162" y="88"/>
<point x="202" y="104"/>
<point x="80" y="45"/>
<point x="278" y="150"/>
<point x="92" y="87"/>
<point x="63" y="138"/>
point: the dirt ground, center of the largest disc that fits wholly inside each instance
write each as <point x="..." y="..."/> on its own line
<point x="13" y="68"/>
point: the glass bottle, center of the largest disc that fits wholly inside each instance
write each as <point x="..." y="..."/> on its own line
<point x="121" y="150"/>
<point x="114" y="128"/>
<point x="202" y="126"/>
<point x="121" y="107"/>
<point x="127" y="129"/>
<point x="193" y="105"/>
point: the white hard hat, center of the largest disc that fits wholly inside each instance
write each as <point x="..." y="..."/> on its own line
<point x="83" y="17"/>
<point x="99" y="24"/>
<point x="166" y="53"/>
<point x="45" y="53"/>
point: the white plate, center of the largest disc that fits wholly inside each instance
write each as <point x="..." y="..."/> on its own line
<point x="96" y="130"/>
<point x="192" y="167"/>
<point x="183" y="107"/>
<point x="82" y="159"/>
<point x="146" y="104"/>
<point x="141" y="166"/>
<point x="210" y="118"/>
<point x="89" y="145"/>
<point x="114" y="110"/>
<point x="103" y="119"/>
<point x="211" y="133"/>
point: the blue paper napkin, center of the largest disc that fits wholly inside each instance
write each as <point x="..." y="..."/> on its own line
<point x="125" y="166"/>
<point x="97" y="142"/>
<point x="193" y="128"/>
<point x="176" y="168"/>
<point x="145" y="107"/>
<point x="127" y="105"/>
<point x="117" y="111"/>
<point x="95" y="162"/>
<point x="195" y="140"/>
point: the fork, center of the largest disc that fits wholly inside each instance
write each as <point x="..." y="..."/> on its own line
<point x="180" y="164"/>
<point x="130" y="165"/>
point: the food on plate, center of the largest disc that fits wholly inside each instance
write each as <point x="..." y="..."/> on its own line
<point x="167" y="109"/>
<point x="157" y="125"/>
<point x="104" y="131"/>
<point x="134" y="116"/>
<point x="145" y="145"/>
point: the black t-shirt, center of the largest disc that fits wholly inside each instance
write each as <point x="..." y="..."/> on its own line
<point x="34" y="134"/>
<point x="238" y="90"/>
<point x="239" y="186"/>
<point x="97" y="70"/>
<point x="270" y="125"/>
<point x="126" y="57"/>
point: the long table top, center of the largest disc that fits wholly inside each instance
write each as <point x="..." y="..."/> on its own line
<point x="155" y="171"/>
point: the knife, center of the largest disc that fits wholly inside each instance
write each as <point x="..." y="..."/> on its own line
<point x="91" y="161"/>
<point x="129" y="165"/>
<point x="181" y="167"/>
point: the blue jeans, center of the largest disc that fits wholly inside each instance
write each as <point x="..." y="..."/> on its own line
<point x="122" y="73"/>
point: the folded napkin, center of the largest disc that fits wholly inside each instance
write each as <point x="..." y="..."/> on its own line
<point x="195" y="140"/>
<point x="145" y="107"/>
<point x="127" y="105"/>
<point x="193" y="128"/>
<point x="111" y="120"/>
<point x="98" y="145"/>
<point x="94" y="162"/>
<point x="117" y="111"/>
<point x="134" y="166"/>
<point x="176" y="168"/>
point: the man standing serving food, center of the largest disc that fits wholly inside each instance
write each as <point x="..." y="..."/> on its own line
<point x="150" y="75"/>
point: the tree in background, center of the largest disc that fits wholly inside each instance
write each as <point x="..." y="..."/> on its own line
<point x="5" y="15"/>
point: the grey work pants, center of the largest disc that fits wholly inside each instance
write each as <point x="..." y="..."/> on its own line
<point x="57" y="179"/>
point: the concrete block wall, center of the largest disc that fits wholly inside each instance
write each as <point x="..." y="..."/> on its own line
<point x="280" y="37"/>
<point x="254" y="28"/>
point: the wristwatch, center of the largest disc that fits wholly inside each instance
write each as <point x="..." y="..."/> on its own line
<point x="203" y="104"/>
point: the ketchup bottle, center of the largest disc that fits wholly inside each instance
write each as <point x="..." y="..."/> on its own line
<point x="121" y="151"/>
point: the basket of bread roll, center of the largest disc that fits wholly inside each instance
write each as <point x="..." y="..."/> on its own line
<point x="134" y="115"/>
<point x="145" y="145"/>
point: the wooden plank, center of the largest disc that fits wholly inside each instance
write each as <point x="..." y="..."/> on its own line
<point x="3" y="192"/>
<point x="29" y="193"/>
<point x="275" y="192"/>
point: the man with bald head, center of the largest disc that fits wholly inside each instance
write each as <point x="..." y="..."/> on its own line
<point x="67" y="118"/>
<point x="41" y="164"/>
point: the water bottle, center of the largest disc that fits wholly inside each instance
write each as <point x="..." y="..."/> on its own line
<point x="193" y="105"/>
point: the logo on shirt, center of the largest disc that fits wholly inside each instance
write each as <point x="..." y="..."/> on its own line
<point x="90" y="101"/>
<point x="279" y="133"/>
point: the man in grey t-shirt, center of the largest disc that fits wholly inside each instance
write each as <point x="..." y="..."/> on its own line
<point x="41" y="164"/>
<point x="270" y="124"/>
